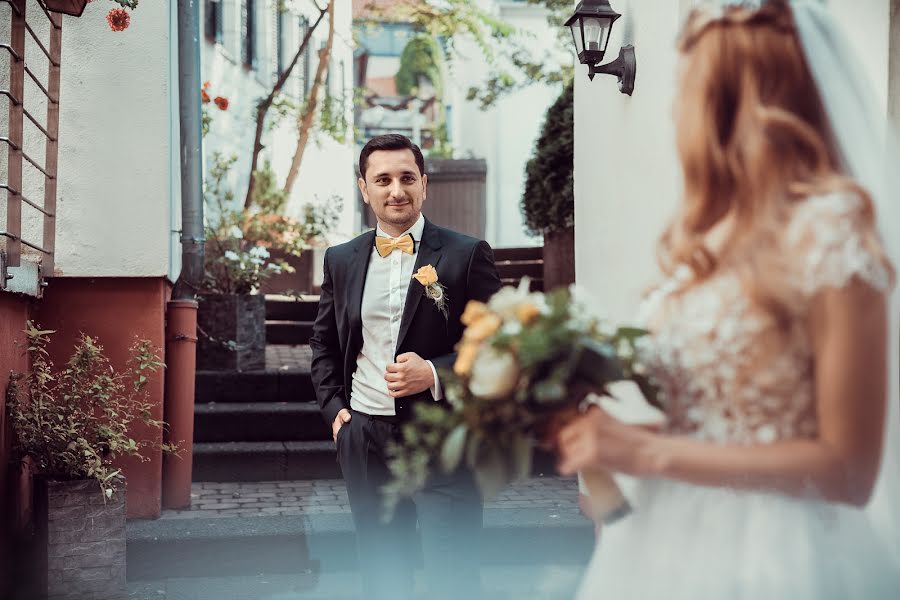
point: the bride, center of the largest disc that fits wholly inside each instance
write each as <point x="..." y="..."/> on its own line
<point x="771" y="335"/>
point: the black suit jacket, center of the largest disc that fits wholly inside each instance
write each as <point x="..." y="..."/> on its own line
<point x="465" y="265"/>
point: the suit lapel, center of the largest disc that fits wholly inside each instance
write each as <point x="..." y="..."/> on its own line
<point x="428" y="254"/>
<point x="357" y="271"/>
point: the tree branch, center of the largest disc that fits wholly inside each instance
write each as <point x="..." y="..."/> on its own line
<point x="263" y="107"/>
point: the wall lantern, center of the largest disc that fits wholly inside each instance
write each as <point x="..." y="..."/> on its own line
<point x="590" y="26"/>
<point x="68" y="7"/>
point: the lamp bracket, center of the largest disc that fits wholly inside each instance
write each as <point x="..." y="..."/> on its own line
<point x="624" y="67"/>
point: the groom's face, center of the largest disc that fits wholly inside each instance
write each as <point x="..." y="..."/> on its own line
<point x="394" y="188"/>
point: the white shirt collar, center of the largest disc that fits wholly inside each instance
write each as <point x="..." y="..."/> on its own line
<point x="416" y="230"/>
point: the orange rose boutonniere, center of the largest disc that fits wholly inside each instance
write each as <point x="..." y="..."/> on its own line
<point x="434" y="289"/>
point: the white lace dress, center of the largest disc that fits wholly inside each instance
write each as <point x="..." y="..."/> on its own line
<point x="727" y="380"/>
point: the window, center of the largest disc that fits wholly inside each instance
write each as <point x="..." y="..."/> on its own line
<point x="214" y="19"/>
<point x="281" y="42"/>
<point x="248" y="33"/>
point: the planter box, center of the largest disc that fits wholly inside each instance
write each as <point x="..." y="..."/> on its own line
<point x="559" y="259"/>
<point x="237" y="318"/>
<point x="80" y="540"/>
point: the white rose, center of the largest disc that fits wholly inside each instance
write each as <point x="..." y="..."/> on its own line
<point x="507" y="301"/>
<point x="232" y="255"/>
<point x="494" y="374"/>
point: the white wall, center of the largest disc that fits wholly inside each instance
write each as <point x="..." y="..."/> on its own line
<point x="327" y="167"/>
<point x="627" y="180"/>
<point x="626" y="176"/>
<point x="503" y="135"/>
<point x="113" y="214"/>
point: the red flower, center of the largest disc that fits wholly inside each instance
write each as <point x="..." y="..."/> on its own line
<point x="205" y="85"/>
<point x="221" y="102"/>
<point x="204" y="96"/>
<point x="118" y="19"/>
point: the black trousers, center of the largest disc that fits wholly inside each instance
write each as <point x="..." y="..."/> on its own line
<point x="448" y="511"/>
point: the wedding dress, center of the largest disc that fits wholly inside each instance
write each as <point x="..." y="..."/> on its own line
<point x="729" y="376"/>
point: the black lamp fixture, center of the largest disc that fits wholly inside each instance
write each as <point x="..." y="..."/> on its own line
<point x="591" y="25"/>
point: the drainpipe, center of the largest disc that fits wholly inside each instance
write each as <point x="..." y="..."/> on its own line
<point x="181" y="327"/>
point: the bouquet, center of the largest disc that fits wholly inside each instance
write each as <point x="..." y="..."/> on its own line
<point x="523" y="365"/>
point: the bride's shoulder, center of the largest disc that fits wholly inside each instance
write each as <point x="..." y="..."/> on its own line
<point x="834" y="237"/>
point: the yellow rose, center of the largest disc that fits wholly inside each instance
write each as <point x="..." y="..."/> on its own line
<point x="465" y="358"/>
<point x="483" y="328"/>
<point x="426" y="275"/>
<point x="474" y="311"/>
<point x="526" y="313"/>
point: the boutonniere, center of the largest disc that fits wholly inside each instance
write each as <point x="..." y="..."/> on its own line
<point x="434" y="289"/>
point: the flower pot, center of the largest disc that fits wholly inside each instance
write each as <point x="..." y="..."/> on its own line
<point x="80" y="540"/>
<point x="67" y="7"/>
<point x="231" y="332"/>
<point x="559" y="259"/>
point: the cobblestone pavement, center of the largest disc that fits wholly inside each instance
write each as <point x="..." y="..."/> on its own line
<point x="281" y="357"/>
<point x="266" y="498"/>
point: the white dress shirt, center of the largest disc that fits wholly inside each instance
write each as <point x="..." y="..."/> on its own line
<point x="384" y="296"/>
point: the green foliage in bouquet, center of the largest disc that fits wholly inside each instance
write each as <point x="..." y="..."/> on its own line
<point x="74" y="423"/>
<point x="521" y="361"/>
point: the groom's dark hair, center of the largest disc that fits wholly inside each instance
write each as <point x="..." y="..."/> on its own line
<point x="389" y="141"/>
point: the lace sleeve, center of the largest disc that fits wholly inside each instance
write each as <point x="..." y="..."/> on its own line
<point x="831" y="238"/>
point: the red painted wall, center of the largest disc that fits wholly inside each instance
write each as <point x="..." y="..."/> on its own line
<point x="115" y="310"/>
<point x="14" y="312"/>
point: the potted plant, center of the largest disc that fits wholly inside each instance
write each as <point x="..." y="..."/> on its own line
<point x="70" y="426"/>
<point x="549" y="201"/>
<point x="231" y="319"/>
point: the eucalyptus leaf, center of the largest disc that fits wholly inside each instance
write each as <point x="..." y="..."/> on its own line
<point x="521" y="455"/>
<point x="490" y="471"/>
<point x="452" y="450"/>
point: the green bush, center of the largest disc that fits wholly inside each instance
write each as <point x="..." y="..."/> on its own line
<point x="74" y="422"/>
<point x="549" y="200"/>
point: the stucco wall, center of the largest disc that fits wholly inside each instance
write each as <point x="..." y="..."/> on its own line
<point x="114" y="155"/>
<point x="627" y="181"/>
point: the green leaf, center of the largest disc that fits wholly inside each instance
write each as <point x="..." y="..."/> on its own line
<point x="452" y="450"/>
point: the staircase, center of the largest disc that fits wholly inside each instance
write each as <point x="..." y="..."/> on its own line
<point x="515" y="263"/>
<point x="265" y="425"/>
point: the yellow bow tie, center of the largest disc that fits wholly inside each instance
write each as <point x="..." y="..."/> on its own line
<point x="386" y="245"/>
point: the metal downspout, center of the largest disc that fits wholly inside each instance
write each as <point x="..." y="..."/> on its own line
<point x="181" y="322"/>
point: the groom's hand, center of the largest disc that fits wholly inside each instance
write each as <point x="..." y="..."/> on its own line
<point x="411" y="374"/>
<point x="342" y="417"/>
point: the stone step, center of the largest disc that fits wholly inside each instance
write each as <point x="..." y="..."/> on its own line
<point x="522" y="253"/>
<point x="289" y="460"/>
<point x="259" y="422"/>
<point x="288" y="332"/>
<point x="289" y="385"/>
<point x="278" y="309"/>
<point x="323" y="545"/>
<point x="265" y="461"/>
<point x="519" y="269"/>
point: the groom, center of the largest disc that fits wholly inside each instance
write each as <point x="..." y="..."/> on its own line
<point x="377" y="345"/>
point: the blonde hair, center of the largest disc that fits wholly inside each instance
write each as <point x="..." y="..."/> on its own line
<point x="754" y="140"/>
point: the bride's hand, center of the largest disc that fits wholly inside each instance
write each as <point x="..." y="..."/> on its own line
<point x="598" y="440"/>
